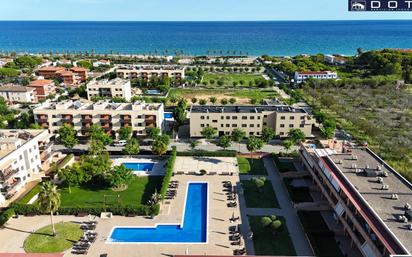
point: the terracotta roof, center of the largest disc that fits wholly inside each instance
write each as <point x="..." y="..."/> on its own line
<point x="77" y="69"/>
<point x="65" y="73"/>
<point x="31" y="254"/>
<point x="51" y="68"/>
<point x="15" y="89"/>
<point x="41" y="83"/>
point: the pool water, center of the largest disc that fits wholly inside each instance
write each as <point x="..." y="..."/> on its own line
<point x="168" y="115"/>
<point x="141" y="166"/>
<point x="193" y="229"/>
<point x="153" y="92"/>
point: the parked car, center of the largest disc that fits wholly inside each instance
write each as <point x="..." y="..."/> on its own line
<point x="120" y="143"/>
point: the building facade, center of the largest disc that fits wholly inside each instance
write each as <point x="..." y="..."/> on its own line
<point x="110" y="116"/>
<point x="23" y="153"/>
<point x="368" y="198"/>
<point x="70" y="77"/>
<point x="18" y="94"/>
<point x="81" y="74"/>
<point x="251" y="119"/>
<point x="302" y="76"/>
<point x="43" y="88"/>
<point x="146" y="72"/>
<point x="110" y="88"/>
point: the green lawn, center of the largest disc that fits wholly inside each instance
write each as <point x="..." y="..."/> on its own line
<point x="251" y="166"/>
<point x="138" y="192"/>
<point x="255" y="199"/>
<point x="320" y="237"/>
<point x="297" y="195"/>
<point x="230" y="78"/>
<point x="27" y="197"/>
<point x="42" y="241"/>
<point x="269" y="244"/>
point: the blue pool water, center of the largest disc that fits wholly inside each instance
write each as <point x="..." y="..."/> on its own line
<point x="139" y="166"/>
<point x="193" y="229"/>
<point x="168" y="115"/>
<point x="152" y="92"/>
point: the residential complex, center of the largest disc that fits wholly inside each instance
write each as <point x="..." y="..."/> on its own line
<point x="251" y="119"/>
<point x="43" y="88"/>
<point x="369" y="199"/>
<point x="109" y="88"/>
<point x="23" y="153"/>
<point x="70" y="77"/>
<point x="302" y="76"/>
<point x="110" y="116"/>
<point x="148" y="71"/>
<point x="18" y="94"/>
<point x="335" y="60"/>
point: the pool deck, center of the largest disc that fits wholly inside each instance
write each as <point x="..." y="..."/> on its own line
<point x="158" y="168"/>
<point x="171" y="212"/>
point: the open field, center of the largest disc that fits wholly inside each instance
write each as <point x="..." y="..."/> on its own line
<point x="267" y="243"/>
<point x="231" y="79"/>
<point x="381" y="116"/>
<point x="242" y="96"/>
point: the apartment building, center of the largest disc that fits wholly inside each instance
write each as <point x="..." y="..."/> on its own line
<point x="23" y="154"/>
<point x="110" y="116"/>
<point x="110" y="88"/>
<point x="368" y="198"/>
<point x="302" y="76"/>
<point x="43" y="88"/>
<point x="70" y="77"/>
<point x="50" y="72"/>
<point x="18" y="94"/>
<point x="251" y="119"/>
<point x="148" y="71"/>
<point x="335" y="60"/>
<point x="81" y="74"/>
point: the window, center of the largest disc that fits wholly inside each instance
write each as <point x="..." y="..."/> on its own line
<point x="258" y="125"/>
<point x="251" y="133"/>
<point x="291" y="125"/>
<point x="282" y="117"/>
<point x="252" y="117"/>
<point x="302" y="125"/>
<point x="258" y="117"/>
<point x="227" y="125"/>
<point x="302" y="117"/>
<point x="221" y="125"/>
<point x="252" y="125"/>
<point x="222" y="117"/>
<point x="244" y="117"/>
<point x="139" y="116"/>
<point x="244" y="125"/>
<point x="281" y="133"/>
<point x="234" y="117"/>
<point x="202" y="125"/>
<point x="214" y="121"/>
<point x="202" y="117"/>
<point x="228" y="117"/>
<point x="21" y="157"/>
<point x="282" y="125"/>
<point x="265" y="116"/>
<point x="234" y="125"/>
<point x="265" y="124"/>
<point x="292" y="117"/>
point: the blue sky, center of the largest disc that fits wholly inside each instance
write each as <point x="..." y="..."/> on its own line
<point x="182" y="10"/>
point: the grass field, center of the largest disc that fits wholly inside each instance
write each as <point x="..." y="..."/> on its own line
<point x="266" y="243"/>
<point x="229" y="79"/>
<point x="138" y="192"/>
<point x="43" y="241"/>
<point x="260" y="199"/>
<point x="251" y="166"/>
<point x="25" y="199"/>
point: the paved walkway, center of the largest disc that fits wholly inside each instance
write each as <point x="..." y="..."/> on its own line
<point x="300" y="242"/>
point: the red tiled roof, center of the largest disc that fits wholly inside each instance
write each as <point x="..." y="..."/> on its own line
<point x="77" y="69"/>
<point x="313" y="72"/>
<point x="65" y="73"/>
<point x="41" y="83"/>
<point x="51" y="68"/>
<point x="31" y="254"/>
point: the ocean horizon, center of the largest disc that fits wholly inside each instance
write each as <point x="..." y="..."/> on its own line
<point x="206" y="37"/>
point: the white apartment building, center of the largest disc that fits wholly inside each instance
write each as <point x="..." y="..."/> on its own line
<point x="110" y="116"/>
<point x="148" y="71"/>
<point x="23" y="153"/>
<point x="335" y="60"/>
<point x="110" y="88"/>
<point x="18" y="94"/>
<point x="302" y="76"/>
<point x="251" y="119"/>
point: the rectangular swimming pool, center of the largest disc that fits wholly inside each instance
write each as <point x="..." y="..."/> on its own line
<point x="139" y="166"/>
<point x="168" y="115"/>
<point x="193" y="228"/>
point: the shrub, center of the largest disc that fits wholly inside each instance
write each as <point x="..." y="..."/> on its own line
<point x="203" y="172"/>
<point x="5" y="216"/>
<point x="275" y="225"/>
<point x="265" y="221"/>
<point x="198" y="153"/>
<point x="168" y="172"/>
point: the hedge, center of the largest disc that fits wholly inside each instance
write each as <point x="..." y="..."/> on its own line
<point x="6" y="215"/>
<point x="123" y="210"/>
<point x="61" y="164"/>
<point x="168" y="172"/>
<point x="203" y="153"/>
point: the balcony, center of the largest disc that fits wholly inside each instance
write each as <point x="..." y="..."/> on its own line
<point x="87" y="118"/>
<point x="7" y="173"/>
<point x="105" y="117"/>
<point x="67" y="117"/>
<point x="44" y="146"/>
<point x="9" y="187"/>
<point x="125" y="117"/>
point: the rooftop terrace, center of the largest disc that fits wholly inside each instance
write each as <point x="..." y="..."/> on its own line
<point x="101" y="105"/>
<point x="10" y="140"/>
<point x="245" y="109"/>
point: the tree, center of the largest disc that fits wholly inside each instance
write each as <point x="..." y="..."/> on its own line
<point x="194" y="100"/>
<point x="153" y="132"/>
<point x="73" y="176"/>
<point x="225" y="142"/>
<point x="125" y="133"/>
<point x="98" y="134"/>
<point x="193" y="144"/>
<point x="132" y="147"/>
<point x="259" y="183"/>
<point x="119" y="176"/>
<point x="223" y="101"/>
<point x="160" y="144"/>
<point x="179" y="115"/>
<point x="202" y="102"/>
<point x="287" y="144"/>
<point x="213" y="99"/>
<point x="253" y="144"/>
<point x="208" y="132"/>
<point x="238" y="135"/>
<point x="95" y="166"/>
<point x="296" y="135"/>
<point x="49" y="200"/>
<point x="67" y="136"/>
<point x="253" y="101"/>
<point x="267" y="134"/>
<point x="8" y="72"/>
<point x="84" y="64"/>
<point x="232" y="100"/>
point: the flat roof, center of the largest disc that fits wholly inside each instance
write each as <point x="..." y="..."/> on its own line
<point x="15" y="89"/>
<point x="361" y="169"/>
<point x="8" y="136"/>
<point x="245" y="109"/>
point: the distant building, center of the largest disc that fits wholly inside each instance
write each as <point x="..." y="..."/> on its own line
<point x="109" y="88"/>
<point x="50" y="72"/>
<point x="304" y="75"/>
<point x="80" y="73"/>
<point x="110" y="116"/>
<point x="101" y="62"/>
<point x="18" y="94"/>
<point x="335" y="60"/>
<point x="43" y="88"/>
<point x="70" y="77"/>
<point x="148" y="71"/>
<point x="251" y="119"/>
<point x="23" y="154"/>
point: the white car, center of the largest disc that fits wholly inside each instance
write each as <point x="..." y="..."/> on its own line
<point x="120" y="143"/>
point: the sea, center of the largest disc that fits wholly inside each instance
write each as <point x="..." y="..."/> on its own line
<point x="283" y="38"/>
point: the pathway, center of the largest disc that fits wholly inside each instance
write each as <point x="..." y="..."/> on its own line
<point x="299" y="239"/>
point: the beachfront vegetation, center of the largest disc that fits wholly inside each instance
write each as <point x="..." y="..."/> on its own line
<point x="43" y="241"/>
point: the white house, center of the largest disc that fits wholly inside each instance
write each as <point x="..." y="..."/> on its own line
<point x="19" y="94"/>
<point x="302" y="76"/>
<point x="101" y="62"/>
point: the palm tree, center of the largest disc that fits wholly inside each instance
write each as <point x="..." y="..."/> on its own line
<point x="49" y="200"/>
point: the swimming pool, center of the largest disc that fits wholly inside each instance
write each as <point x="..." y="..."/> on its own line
<point x="139" y="166"/>
<point x="153" y="92"/>
<point x="168" y="115"/>
<point x="193" y="228"/>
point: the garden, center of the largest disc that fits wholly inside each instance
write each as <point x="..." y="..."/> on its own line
<point x="251" y="166"/>
<point x="259" y="193"/>
<point x="271" y="236"/>
<point x="232" y="80"/>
